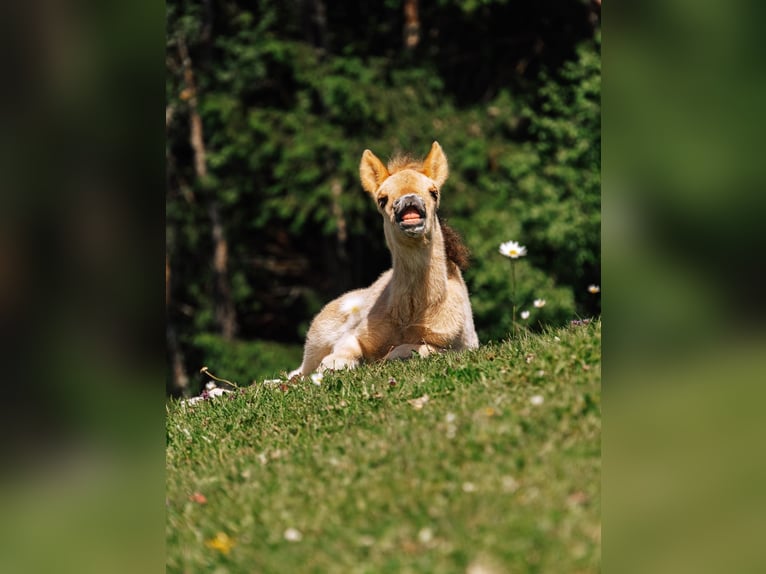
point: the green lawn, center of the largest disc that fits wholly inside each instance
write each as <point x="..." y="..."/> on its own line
<point x="497" y="470"/>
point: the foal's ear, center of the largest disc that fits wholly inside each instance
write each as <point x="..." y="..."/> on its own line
<point x="372" y="171"/>
<point x="435" y="164"/>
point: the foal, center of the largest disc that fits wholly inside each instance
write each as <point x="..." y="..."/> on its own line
<point x="419" y="305"/>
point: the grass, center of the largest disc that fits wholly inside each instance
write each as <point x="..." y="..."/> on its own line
<point x="481" y="475"/>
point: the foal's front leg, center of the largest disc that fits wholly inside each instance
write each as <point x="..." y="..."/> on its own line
<point x="346" y="354"/>
<point x="405" y="351"/>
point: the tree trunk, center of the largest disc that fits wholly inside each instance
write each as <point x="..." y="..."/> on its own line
<point x="225" y="312"/>
<point x="411" y="24"/>
<point x="341" y="270"/>
<point x="315" y="25"/>
<point x="179" y="380"/>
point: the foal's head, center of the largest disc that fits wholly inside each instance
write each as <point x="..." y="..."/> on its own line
<point x="407" y="192"/>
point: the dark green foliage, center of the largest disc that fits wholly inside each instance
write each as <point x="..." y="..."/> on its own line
<point x="289" y="103"/>
<point x="242" y="362"/>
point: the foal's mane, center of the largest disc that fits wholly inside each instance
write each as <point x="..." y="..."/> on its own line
<point x="454" y="248"/>
<point x="404" y="161"/>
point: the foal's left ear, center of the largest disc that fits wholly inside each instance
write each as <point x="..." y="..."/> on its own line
<point x="435" y="164"/>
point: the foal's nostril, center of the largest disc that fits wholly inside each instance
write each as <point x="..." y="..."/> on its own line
<point x="409" y="199"/>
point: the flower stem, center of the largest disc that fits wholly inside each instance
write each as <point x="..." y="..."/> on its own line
<point x="212" y="376"/>
<point x="513" y="294"/>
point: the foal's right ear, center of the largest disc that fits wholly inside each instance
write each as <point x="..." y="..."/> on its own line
<point x="372" y="172"/>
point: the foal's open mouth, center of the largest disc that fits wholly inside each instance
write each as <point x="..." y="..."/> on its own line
<point x="411" y="214"/>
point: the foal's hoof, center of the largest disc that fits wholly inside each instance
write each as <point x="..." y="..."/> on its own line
<point x="336" y="364"/>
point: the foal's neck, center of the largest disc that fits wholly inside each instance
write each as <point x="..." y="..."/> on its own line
<point x="420" y="274"/>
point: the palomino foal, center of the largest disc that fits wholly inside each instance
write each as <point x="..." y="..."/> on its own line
<point x="419" y="305"/>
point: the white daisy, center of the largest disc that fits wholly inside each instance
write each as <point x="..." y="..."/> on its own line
<point x="524" y="315"/>
<point x="425" y="535"/>
<point x="293" y="535"/>
<point x="512" y="249"/>
<point x="539" y="303"/>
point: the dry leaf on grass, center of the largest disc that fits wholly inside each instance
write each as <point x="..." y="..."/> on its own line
<point x="221" y="542"/>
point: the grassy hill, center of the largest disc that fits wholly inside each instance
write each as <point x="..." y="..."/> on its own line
<point x="486" y="461"/>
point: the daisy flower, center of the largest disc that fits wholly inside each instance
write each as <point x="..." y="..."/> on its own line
<point x="293" y="535"/>
<point x="524" y="315"/>
<point x="594" y="289"/>
<point x="512" y="249"/>
<point x="539" y="303"/>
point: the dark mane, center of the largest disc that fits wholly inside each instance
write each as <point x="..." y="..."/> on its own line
<point x="454" y="247"/>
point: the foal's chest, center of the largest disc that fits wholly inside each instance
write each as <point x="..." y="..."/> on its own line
<point x="381" y="336"/>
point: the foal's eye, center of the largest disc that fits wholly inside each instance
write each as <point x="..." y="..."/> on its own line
<point x="382" y="201"/>
<point x="434" y="194"/>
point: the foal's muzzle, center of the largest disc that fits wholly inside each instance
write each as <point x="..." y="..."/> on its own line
<point x="410" y="214"/>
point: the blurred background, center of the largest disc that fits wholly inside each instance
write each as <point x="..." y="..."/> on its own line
<point x="269" y="106"/>
<point x="88" y="168"/>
